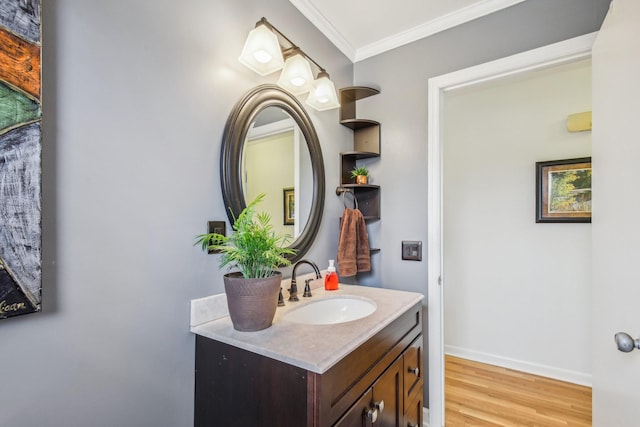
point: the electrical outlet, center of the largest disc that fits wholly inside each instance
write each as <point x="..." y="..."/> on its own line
<point x="411" y="250"/>
<point x="219" y="227"/>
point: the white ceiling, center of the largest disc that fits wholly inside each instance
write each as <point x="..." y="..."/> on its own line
<point x="365" y="28"/>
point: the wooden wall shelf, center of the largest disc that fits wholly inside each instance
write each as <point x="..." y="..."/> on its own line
<point x="366" y="133"/>
<point x="368" y="197"/>
<point x="366" y="145"/>
<point x="348" y="98"/>
<point x="355" y="124"/>
<point x="359" y="154"/>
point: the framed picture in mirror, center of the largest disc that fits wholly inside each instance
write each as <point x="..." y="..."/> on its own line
<point x="288" y="198"/>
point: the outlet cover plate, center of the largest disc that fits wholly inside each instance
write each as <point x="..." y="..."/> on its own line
<point x="219" y="227"/>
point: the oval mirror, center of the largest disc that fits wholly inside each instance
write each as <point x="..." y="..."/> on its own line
<point x="270" y="146"/>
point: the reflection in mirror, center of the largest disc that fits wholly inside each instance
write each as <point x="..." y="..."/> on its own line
<point x="276" y="161"/>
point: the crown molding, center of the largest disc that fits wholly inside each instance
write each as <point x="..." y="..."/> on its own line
<point x="313" y="14"/>
<point x="434" y="26"/>
<point x="469" y="13"/>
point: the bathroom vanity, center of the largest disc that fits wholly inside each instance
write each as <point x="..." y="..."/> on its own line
<point x="365" y="372"/>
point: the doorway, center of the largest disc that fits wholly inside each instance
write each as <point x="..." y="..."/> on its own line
<point x="561" y="53"/>
<point x="517" y="292"/>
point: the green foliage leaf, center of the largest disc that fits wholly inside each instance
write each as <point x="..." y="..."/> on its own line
<point x="359" y="171"/>
<point x="254" y="247"/>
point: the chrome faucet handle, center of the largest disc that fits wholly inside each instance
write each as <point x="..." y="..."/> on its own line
<point x="307" y="288"/>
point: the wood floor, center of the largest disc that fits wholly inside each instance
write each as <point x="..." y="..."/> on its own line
<point x="483" y="395"/>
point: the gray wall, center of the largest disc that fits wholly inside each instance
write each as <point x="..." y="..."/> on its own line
<point x="402" y="75"/>
<point x="136" y="95"/>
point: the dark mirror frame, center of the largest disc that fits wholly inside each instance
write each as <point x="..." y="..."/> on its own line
<point x="235" y="134"/>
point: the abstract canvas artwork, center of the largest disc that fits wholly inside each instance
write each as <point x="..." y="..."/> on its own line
<point x="20" y="159"/>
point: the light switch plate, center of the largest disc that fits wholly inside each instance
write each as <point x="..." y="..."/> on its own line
<point x="412" y="250"/>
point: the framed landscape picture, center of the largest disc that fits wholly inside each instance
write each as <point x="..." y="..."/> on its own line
<point x="563" y="190"/>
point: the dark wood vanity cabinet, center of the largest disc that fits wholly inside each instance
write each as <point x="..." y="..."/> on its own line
<point x="240" y="388"/>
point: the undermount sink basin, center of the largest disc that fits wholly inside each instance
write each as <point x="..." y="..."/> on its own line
<point x="332" y="310"/>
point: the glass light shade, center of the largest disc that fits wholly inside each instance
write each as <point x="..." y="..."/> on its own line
<point x="323" y="95"/>
<point x="262" y="51"/>
<point x="296" y="76"/>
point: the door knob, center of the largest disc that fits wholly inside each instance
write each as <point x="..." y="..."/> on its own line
<point x="625" y="343"/>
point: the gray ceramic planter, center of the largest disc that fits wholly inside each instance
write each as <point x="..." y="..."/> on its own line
<point x="252" y="302"/>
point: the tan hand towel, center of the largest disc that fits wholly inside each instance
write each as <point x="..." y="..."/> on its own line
<point x="363" y="257"/>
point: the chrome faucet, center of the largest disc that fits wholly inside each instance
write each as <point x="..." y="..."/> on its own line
<point x="293" y="291"/>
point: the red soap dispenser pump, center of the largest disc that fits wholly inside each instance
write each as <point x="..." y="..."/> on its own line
<point x="331" y="279"/>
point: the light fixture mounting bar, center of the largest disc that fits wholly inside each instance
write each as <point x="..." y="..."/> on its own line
<point x="292" y="45"/>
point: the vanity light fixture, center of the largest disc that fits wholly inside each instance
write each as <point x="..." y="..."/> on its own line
<point x="264" y="54"/>
<point x="323" y="95"/>
<point x="262" y="51"/>
<point x="296" y="77"/>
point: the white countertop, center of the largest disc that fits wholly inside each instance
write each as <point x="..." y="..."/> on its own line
<point x="312" y="347"/>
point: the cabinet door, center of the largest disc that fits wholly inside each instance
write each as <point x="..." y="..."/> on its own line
<point x="413" y="412"/>
<point x="413" y="370"/>
<point x="358" y="416"/>
<point x="381" y="405"/>
<point x="387" y="396"/>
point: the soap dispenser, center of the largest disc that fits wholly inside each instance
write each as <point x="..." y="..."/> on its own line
<point x="331" y="279"/>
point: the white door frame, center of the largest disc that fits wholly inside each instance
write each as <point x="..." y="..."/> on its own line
<point x="558" y="53"/>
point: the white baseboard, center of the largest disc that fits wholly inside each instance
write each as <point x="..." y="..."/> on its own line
<point x="425" y="417"/>
<point x="574" y="377"/>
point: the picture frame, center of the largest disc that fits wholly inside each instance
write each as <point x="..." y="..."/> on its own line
<point x="563" y="190"/>
<point x="288" y="200"/>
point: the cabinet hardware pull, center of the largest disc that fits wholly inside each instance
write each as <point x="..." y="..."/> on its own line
<point x="372" y="414"/>
<point x="415" y="371"/>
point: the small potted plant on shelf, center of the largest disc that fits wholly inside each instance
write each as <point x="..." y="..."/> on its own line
<point x="361" y="174"/>
<point x="256" y="250"/>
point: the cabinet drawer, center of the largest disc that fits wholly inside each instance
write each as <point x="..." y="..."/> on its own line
<point x="413" y="370"/>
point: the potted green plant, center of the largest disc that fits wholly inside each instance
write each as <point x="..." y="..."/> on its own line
<point x="257" y="251"/>
<point x="361" y="174"/>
